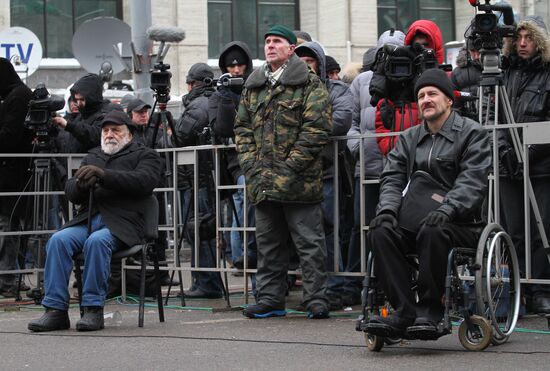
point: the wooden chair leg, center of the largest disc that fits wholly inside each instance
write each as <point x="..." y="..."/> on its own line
<point x="157" y="284"/>
<point x="142" y="286"/>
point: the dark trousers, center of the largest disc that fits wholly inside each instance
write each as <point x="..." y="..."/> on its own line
<point x="275" y="222"/>
<point x="432" y="245"/>
<point x="512" y="214"/>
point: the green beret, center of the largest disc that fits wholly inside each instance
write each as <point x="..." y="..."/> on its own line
<point x="280" y="30"/>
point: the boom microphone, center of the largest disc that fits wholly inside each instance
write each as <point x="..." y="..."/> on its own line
<point x="165" y="34"/>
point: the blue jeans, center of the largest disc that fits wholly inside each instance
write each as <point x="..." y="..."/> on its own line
<point x="98" y="248"/>
<point x="237" y="248"/>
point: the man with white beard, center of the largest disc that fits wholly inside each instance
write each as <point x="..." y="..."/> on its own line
<point x="121" y="174"/>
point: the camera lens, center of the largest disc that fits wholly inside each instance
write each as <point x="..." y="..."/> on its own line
<point x="486" y="22"/>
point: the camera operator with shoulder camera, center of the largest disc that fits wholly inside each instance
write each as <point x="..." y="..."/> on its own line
<point x="235" y="63"/>
<point x="14" y="138"/>
<point x="192" y="129"/>
<point x="85" y="129"/>
<point x="395" y="72"/>
<point x="527" y="81"/>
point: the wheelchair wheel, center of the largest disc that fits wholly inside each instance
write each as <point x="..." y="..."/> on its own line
<point x="374" y="343"/>
<point x="497" y="282"/>
<point x="480" y="338"/>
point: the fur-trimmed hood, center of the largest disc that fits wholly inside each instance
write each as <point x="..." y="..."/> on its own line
<point x="540" y="37"/>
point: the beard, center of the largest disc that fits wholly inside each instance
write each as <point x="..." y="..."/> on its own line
<point x="112" y="146"/>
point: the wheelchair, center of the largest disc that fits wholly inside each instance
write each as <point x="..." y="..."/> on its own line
<point x="482" y="291"/>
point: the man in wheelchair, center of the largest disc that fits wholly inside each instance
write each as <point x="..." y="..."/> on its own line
<point x="115" y="179"/>
<point x="432" y="190"/>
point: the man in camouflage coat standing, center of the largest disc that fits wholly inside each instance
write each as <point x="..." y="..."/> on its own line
<point x="282" y="125"/>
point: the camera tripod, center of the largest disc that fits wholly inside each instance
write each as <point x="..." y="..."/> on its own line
<point x="493" y="80"/>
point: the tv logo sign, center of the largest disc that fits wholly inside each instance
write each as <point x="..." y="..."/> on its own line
<point x="23" y="48"/>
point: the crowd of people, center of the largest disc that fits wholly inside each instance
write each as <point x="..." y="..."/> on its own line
<point x="281" y="119"/>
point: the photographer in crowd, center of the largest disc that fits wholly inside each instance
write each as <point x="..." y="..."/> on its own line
<point x="234" y="62"/>
<point x="466" y="77"/>
<point x="85" y="129"/>
<point x="283" y="123"/>
<point x="14" y="138"/>
<point x="121" y="174"/>
<point x="341" y="102"/>
<point x="392" y="89"/>
<point x="445" y="149"/>
<point x="192" y="130"/>
<point x="527" y="81"/>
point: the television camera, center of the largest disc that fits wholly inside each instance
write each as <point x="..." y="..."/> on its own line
<point x="42" y="108"/>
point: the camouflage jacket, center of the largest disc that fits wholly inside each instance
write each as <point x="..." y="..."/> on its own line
<point x="280" y="132"/>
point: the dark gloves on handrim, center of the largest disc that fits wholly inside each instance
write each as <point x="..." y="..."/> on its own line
<point x="382" y="218"/>
<point x="88" y="175"/>
<point x="436" y="218"/>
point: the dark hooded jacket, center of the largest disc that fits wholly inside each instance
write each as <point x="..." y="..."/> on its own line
<point x="14" y="137"/>
<point x="466" y="78"/>
<point x="222" y="108"/>
<point x="341" y="101"/>
<point x="528" y="87"/>
<point x="85" y="129"/>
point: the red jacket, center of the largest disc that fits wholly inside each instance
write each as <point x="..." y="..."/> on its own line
<point x="433" y="33"/>
<point x="404" y="119"/>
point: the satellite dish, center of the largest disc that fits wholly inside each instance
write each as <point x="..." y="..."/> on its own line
<point x="23" y="49"/>
<point x="93" y="43"/>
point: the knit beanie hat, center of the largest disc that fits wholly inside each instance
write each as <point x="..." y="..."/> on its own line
<point x="331" y="64"/>
<point x="282" y="31"/>
<point x="435" y="77"/>
<point x="235" y="56"/>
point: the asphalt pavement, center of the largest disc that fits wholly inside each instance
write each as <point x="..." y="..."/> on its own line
<point x="209" y="336"/>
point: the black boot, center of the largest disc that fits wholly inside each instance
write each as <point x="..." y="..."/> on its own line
<point x="92" y="320"/>
<point x="51" y="320"/>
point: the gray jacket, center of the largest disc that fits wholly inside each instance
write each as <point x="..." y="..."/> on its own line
<point x="340" y="99"/>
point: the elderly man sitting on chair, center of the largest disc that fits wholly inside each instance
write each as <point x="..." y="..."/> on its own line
<point x="120" y="176"/>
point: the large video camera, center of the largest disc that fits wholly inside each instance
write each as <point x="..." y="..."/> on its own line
<point x="160" y="81"/>
<point x="487" y="34"/>
<point x="396" y="70"/>
<point x="42" y="107"/>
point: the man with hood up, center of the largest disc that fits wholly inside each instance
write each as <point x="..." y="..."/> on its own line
<point x="235" y="61"/>
<point x="341" y="101"/>
<point x="85" y="129"/>
<point x="14" y="138"/>
<point x="363" y="122"/>
<point x="397" y="110"/>
<point x="527" y="82"/>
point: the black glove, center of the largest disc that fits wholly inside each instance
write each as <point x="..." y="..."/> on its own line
<point x="436" y="218"/>
<point x="88" y="175"/>
<point x="510" y="163"/>
<point x="387" y="114"/>
<point x="380" y="219"/>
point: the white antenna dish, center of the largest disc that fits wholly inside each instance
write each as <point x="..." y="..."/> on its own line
<point x="93" y="43"/>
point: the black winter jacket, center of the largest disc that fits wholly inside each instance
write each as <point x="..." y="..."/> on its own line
<point x="458" y="156"/>
<point x="130" y="177"/>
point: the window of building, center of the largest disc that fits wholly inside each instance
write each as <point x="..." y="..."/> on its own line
<point x="248" y="21"/>
<point x="55" y="21"/>
<point x="400" y="14"/>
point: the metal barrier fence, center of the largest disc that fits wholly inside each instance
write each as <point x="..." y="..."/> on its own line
<point x="174" y="200"/>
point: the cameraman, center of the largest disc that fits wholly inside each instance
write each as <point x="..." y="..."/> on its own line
<point x="236" y="61"/>
<point x="192" y="130"/>
<point x="85" y="129"/>
<point x="466" y="77"/>
<point x="527" y="82"/>
<point x="396" y="108"/>
<point x="14" y="138"/>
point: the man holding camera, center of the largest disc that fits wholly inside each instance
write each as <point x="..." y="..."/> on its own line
<point x="85" y="129"/>
<point x="121" y="174"/>
<point x="235" y="62"/>
<point x="192" y="130"/>
<point x="527" y="82"/>
<point x="283" y="123"/>
<point x="14" y="138"/>
<point x="455" y="152"/>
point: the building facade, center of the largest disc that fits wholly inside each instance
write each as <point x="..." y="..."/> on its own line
<point x="346" y="28"/>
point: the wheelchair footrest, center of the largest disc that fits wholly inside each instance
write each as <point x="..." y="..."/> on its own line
<point x="428" y="332"/>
